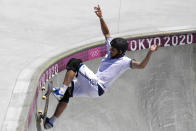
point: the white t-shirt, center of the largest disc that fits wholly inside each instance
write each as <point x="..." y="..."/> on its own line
<point x="110" y="69"/>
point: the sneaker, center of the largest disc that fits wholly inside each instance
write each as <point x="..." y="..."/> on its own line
<point x="58" y="93"/>
<point x="47" y="124"/>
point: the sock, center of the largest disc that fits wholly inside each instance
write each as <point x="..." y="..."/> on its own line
<point x="63" y="89"/>
<point x="52" y="119"/>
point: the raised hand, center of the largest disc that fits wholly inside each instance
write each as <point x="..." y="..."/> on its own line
<point x="98" y="11"/>
<point x="154" y="47"/>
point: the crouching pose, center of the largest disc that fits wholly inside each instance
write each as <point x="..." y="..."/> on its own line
<point x="88" y="84"/>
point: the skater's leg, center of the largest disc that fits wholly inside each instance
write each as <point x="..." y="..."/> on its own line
<point x="69" y="76"/>
<point x="60" y="108"/>
<point x="72" y="68"/>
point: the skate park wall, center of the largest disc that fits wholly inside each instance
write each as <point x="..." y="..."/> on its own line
<point x="161" y="103"/>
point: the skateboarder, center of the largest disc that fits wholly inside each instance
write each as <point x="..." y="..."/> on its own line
<point x="88" y="84"/>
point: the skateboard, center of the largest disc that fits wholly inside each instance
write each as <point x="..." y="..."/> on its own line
<point x="42" y="115"/>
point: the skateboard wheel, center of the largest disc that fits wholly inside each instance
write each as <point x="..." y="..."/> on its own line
<point x="43" y="88"/>
<point x="43" y="97"/>
<point x="40" y="112"/>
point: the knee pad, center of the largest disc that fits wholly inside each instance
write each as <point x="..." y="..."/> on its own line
<point x="73" y="64"/>
<point x="68" y="94"/>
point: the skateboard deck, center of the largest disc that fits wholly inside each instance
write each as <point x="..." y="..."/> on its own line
<point x="42" y="115"/>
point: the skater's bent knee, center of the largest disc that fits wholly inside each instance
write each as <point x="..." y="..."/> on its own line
<point x="74" y="64"/>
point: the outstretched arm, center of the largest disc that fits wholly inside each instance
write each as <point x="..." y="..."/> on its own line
<point x="104" y="27"/>
<point x="141" y="65"/>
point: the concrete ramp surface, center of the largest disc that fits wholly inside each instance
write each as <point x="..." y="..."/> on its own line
<point x="160" y="97"/>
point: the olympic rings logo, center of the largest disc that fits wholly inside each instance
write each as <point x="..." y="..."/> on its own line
<point x="94" y="53"/>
